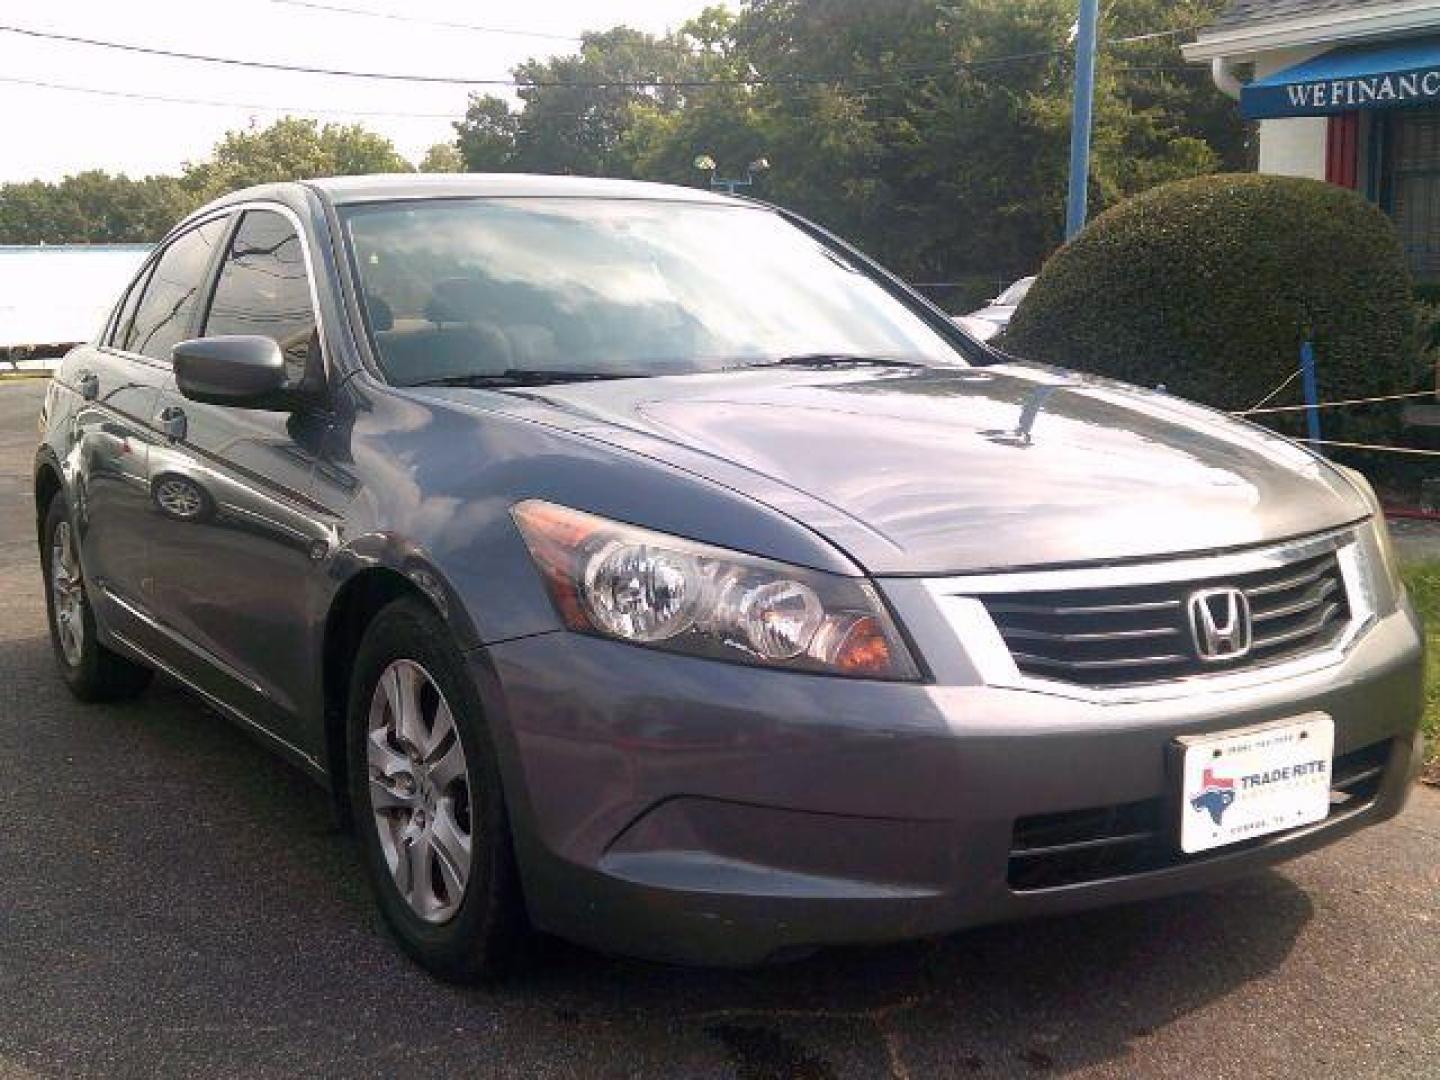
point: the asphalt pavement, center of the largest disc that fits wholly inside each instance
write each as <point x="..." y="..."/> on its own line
<point x="173" y="901"/>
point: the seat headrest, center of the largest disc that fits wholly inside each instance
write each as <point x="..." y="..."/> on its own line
<point x="381" y="317"/>
<point x="459" y="300"/>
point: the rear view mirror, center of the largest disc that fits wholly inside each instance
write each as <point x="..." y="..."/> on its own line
<point x="246" y="371"/>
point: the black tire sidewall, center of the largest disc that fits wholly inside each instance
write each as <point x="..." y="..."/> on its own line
<point x="82" y="678"/>
<point x="480" y="940"/>
<point x="101" y="675"/>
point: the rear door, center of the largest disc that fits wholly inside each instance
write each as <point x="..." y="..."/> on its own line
<point x="237" y="547"/>
<point x="118" y="382"/>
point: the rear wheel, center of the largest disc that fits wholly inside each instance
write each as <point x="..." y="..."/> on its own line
<point x="92" y="672"/>
<point x="425" y="791"/>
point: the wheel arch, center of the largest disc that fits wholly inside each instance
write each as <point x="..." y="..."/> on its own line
<point x="356" y="603"/>
<point x="48" y="484"/>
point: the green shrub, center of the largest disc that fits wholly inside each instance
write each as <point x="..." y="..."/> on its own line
<point x="1209" y="286"/>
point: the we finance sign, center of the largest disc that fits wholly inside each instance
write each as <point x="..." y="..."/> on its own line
<point x="1279" y="96"/>
<point x="1369" y="90"/>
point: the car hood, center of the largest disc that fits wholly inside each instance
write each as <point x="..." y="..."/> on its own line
<point x="942" y="471"/>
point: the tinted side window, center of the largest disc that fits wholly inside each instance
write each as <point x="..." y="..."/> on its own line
<point x="164" y="314"/>
<point x="126" y="315"/>
<point x="264" y="289"/>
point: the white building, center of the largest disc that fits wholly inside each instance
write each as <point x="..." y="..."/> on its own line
<point x="1346" y="91"/>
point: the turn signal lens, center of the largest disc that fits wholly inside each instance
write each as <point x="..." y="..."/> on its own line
<point x="863" y="648"/>
<point x="651" y="589"/>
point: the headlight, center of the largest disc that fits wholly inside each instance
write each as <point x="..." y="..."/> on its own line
<point x="1380" y="548"/>
<point x="647" y="588"/>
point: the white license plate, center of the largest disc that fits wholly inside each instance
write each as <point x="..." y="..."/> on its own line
<point x="1247" y="783"/>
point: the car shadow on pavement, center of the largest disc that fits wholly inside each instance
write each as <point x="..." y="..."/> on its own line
<point x="188" y="904"/>
<point x="1044" y="996"/>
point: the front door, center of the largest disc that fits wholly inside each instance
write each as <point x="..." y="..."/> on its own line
<point x="237" y="548"/>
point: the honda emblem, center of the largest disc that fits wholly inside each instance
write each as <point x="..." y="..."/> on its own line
<point x="1220" y="624"/>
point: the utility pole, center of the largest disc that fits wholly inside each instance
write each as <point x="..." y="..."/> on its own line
<point x="1085" y="47"/>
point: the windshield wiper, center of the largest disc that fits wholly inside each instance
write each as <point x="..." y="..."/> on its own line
<point x="526" y="377"/>
<point x="824" y="359"/>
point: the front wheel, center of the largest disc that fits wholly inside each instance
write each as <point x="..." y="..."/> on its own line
<point x="425" y="790"/>
<point x="92" y="671"/>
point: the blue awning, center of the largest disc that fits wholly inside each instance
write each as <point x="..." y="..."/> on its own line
<point x="1383" y="75"/>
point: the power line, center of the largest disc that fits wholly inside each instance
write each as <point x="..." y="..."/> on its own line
<point x="165" y="99"/>
<point x="341" y="9"/>
<point x="446" y="24"/>
<point x="451" y="80"/>
<point x="1153" y="35"/>
<point x="266" y="65"/>
<point x="676" y="84"/>
<point x="862" y="88"/>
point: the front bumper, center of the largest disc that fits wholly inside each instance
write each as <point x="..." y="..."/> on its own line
<point x="695" y="811"/>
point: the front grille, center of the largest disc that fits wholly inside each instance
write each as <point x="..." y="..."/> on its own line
<point x="1050" y="851"/>
<point x="1134" y="634"/>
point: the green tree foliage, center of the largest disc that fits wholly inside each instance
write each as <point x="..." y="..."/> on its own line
<point x="291" y="149"/>
<point x="891" y="121"/>
<point x="1211" y="285"/>
<point x="934" y="132"/>
<point x="97" y="207"/>
<point x="94" y="207"/>
<point x="442" y="158"/>
<point x="488" y="137"/>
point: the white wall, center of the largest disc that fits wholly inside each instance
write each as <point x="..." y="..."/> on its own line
<point x="1292" y="147"/>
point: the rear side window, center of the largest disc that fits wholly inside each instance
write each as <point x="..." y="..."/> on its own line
<point x="264" y="289"/>
<point x="165" y="311"/>
<point x="126" y="314"/>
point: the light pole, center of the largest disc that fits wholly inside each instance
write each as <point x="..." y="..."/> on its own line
<point x="1085" y="47"/>
<point x="706" y="164"/>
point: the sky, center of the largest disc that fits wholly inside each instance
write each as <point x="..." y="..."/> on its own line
<point x="47" y="133"/>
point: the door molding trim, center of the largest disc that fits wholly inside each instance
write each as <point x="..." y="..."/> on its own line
<point x="231" y="711"/>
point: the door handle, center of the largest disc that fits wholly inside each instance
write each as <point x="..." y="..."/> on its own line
<point x="89" y="385"/>
<point x="173" y="423"/>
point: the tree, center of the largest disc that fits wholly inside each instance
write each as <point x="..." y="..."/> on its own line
<point x="291" y="149"/>
<point x="934" y="133"/>
<point x="486" y="137"/>
<point x="91" y="207"/>
<point x="1209" y="286"/>
<point x="442" y="158"/>
<point x="97" y="207"/>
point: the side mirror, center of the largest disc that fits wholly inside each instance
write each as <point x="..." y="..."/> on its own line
<point x="245" y="371"/>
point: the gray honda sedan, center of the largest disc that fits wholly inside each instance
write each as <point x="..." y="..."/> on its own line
<point x="651" y="568"/>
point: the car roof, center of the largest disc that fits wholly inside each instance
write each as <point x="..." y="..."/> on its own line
<point x="358" y="189"/>
<point x="390" y="187"/>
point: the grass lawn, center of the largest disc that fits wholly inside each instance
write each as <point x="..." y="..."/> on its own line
<point x="1423" y="580"/>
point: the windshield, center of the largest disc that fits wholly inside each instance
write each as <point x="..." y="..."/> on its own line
<point x="481" y="288"/>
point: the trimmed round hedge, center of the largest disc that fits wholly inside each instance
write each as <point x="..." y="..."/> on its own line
<point x="1210" y="286"/>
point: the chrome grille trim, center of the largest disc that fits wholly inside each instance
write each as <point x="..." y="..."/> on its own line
<point x="1148" y="657"/>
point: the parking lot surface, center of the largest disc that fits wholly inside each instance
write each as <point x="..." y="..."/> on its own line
<point x="173" y="901"/>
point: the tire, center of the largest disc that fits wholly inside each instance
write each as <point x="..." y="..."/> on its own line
<point x="181" y="498"/>
<point x="413" y="803"/>
<point x="91" y="671"/>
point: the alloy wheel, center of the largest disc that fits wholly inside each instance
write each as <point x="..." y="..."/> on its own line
<point x="67" y="594"/>
<point x="420" y="791"/>
<point x="179" y="498"/>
